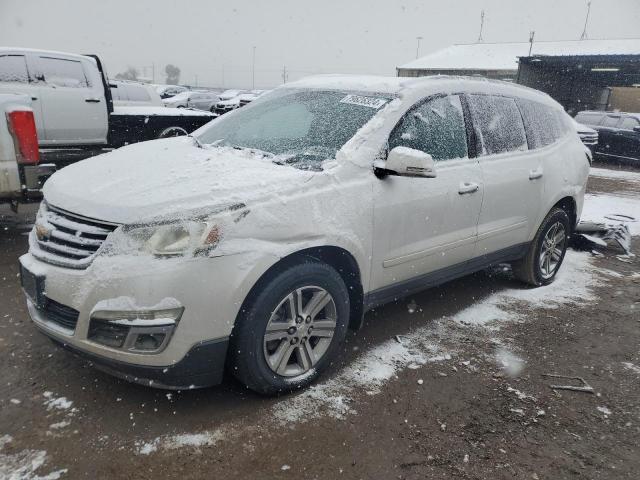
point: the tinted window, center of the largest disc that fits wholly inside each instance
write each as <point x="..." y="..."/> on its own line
<point x="498" y="123"/>
<point x="137" y="93"/>
<point x="436" y="127"/>
<point x="589" y="118"/>
<point x="13" y="68"/>
<point x="63" y="73"/>
<point x="629" y="123"/>
<point x="610" y="121"/>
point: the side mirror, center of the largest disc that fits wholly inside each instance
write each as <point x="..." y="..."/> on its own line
<point x="408" y="162"/>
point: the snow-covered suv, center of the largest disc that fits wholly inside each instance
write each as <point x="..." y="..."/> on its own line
<point x="259" y="240"/>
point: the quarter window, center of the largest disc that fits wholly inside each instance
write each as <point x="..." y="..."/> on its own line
<point x="498" y="123"/>
<point x="543" y="124"/>
<point x="435" y="127"/>
<point x="63" y="73"/>
<point x="13" y="68"/>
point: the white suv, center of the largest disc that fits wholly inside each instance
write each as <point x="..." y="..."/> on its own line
<point x="259" y="240"/>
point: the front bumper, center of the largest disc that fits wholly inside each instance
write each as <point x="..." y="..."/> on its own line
<point x="211" y="290"/>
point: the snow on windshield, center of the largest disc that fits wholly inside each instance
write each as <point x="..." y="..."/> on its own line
<point x="299" y="127"/>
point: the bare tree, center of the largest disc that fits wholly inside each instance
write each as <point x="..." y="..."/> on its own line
<point x="131" y="73"/>
<point x="173" y="74"/>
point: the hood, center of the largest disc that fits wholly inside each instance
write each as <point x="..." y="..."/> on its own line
<point x="164" y="177"/>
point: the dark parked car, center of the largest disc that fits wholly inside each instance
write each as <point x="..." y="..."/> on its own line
<point x="618" y="134"/>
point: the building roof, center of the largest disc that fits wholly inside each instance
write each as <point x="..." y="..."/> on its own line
<point x="504" y="56"/>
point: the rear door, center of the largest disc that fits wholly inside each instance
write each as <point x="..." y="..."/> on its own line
<point x="73" y="106"/>
<point x="511" y="174"/>
<point x="17" y="77"/>
<point x="426" y="225"/>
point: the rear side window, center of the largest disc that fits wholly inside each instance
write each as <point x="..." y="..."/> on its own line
<point x="13" y="68"/>
<point x="498" y="125"/>
<point x="435" y="127"/>
<point x="629" y="123"/>
<point x="63" y="73"/>
<point x="543" y="124"/>
<point x="610" y="121"/>
<point x="587" y="118"/>
<point x="138" y="94"/>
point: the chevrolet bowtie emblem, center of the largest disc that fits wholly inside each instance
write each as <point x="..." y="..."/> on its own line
<point x="42" y="232"/>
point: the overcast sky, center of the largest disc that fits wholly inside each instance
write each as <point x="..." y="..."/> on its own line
<point x="214" y="39"/>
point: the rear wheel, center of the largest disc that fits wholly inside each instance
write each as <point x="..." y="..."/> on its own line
<point x="547" y="250"/>
<point x="291" y="330"/>
<point x="172" y="132"/>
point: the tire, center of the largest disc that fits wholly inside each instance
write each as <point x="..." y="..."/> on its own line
<point x="531" y="269"/>
<point x="258" y="361"/>
<point x="172" y="132"/>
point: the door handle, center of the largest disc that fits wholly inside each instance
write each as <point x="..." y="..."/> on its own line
<point x="92" y="100"/>
<point x="468" y="187"/>
<point x="535" y="174"/>
<point x="34" y="98"/>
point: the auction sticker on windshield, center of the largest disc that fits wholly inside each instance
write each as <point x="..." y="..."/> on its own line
<point x="371" y="102"/>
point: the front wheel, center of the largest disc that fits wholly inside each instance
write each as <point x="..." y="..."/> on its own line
<point x="172" y="132"/>
<point x="291" y="330"/>
<point x="547" y="250"/>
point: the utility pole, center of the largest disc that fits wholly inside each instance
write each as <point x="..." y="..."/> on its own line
<point x="586" y="22"/>
<point x="285" y="75"/>
<point x="480" y="40"/>
<point x="532" y="34"/>
<point x="196" y="80"/>
<point x="153" y="72"/>
<point x="253" y="70"/>
<point x="418" y="46"/>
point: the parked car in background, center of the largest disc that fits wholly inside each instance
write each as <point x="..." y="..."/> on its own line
<point x="247" y="98"/>
<point x="618" y="134"/>
<point x="228" y="100"/>
<point x="257" y="243"/>
<point x="168" y="91"/>
<point x="192" y="99"/>
<point x="21" y="173"/>
<point x="134" y="94"/>
<point x="588" y="135"/>
<point x="73" y="107"/>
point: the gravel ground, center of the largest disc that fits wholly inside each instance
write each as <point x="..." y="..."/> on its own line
<point x="447" y="384"/>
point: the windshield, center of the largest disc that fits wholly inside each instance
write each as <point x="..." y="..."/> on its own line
<point x="298" y="127"/>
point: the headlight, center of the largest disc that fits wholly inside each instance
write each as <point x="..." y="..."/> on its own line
<point x="183" y="237"/>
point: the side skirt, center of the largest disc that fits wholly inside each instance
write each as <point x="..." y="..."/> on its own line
<point x="408" y="287"/>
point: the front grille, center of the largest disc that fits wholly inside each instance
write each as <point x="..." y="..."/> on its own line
<point x="65" y="239"/>
<point x="60" y="314"/>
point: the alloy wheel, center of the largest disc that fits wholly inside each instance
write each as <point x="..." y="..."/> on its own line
<point x="300" y="331"/>
<point x="552" y="250"/>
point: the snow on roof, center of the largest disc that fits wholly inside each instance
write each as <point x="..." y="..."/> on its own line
<point x="42" y="52"/>
<point x="364" y="83"/>
<point x="504" y="56"/>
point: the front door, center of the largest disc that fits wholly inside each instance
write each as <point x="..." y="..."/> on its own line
<point x="423" y="226"/>
<point x="74" y="109"/>
<point x="628" y="138"/>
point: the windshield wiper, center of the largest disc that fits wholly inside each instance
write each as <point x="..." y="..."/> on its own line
<point x="196" y="141"/>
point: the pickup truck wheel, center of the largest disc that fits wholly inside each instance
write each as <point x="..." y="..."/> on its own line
<point x="172" y="132"/>
<point x="292" y="329"/>
<point x="547" y="250"/>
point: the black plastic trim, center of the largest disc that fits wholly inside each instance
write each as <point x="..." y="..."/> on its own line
<point x="432" y="279"/>
<point x="202" y="366"/>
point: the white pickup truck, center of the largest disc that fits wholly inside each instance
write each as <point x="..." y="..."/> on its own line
<point x="73" y="107"/>
<point x="21" y="173"/>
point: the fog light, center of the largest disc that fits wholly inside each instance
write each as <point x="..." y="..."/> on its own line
<point x="147" y="331"/>
<point x="149" y="341"/>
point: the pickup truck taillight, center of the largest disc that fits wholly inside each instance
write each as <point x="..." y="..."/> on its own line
<point x="22" y="127"/>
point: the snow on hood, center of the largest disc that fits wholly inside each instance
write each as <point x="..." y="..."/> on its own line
<point x="164" y="177"/>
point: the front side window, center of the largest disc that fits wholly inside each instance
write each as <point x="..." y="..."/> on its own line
<point x="610" y="121"/>
<point x="435" y="127"/>
<point x="63" y="73"/>
<point x="498" y="125"/>
<point x="300" y="127"/>
<point x="629" y="123"/>
<point x="13" y="68"/>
